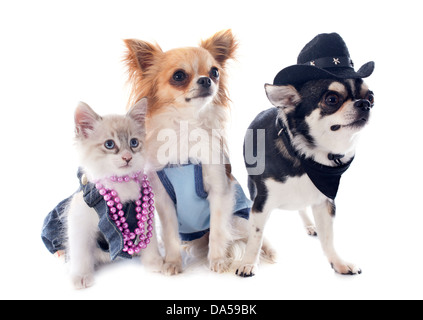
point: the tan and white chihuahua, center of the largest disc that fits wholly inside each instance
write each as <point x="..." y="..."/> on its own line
<point x="186" y="131"/>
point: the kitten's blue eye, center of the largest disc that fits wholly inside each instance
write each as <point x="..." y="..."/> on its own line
<point x="134" y="143"/>
<point x="109" y="144"/>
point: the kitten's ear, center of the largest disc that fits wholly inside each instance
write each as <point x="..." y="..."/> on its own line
<point x="138" y="112"/>
<point x="85" y="119"/>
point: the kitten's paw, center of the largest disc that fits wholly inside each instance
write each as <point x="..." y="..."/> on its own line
<point x="172" y="268"/>
<point x="219" y="265"/>
<point x="247" y="270"/>
<point x="82" y="282"/>
<point x="345" y="268"/>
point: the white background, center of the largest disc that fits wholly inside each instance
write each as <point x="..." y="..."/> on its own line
<point x="56" y="53"/>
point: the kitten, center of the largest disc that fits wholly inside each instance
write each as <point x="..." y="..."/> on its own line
<point x="108" y="146"/>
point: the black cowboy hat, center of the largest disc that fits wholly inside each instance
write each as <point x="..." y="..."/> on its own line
<point x="324" y="57"/>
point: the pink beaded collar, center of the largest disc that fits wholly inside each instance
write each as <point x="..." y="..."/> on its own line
<point x="133" y="241"/>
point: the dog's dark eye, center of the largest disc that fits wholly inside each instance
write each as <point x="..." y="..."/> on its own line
<point x="371" y="98"/>
<point x="332" y="99"/>
<point x="214" y="73"/>
<point x="109" y="144"/>
<point x="179" y="76"/>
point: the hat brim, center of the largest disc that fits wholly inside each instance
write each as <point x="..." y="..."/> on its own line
<point x="300" y="74"/>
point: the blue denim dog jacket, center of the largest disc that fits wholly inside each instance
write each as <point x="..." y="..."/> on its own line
<point x="184" y="184"/>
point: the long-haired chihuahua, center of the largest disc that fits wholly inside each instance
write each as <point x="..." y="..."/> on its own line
<point x="188" y="109"/>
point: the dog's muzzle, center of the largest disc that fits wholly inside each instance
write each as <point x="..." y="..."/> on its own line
<point x="363" y="104"/>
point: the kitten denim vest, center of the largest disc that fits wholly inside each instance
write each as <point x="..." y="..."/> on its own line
<point x="109" y="239"/>
<point x="184" y="185"/>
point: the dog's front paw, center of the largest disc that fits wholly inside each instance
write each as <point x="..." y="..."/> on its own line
<point x="268" y="253"/>
<point x="311" y="230"/>
<point x="153" y="263"/>
<point x="172" y="268"/>
<point x="345" y="268"/>
<point x="219" y="265"/>
<point x="247" y="270"/>
<point x="82" y="282"/>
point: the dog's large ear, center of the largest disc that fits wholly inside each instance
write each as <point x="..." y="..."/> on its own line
<point x="140" y="54"/>
<point x="282" y="96"/>
<point x="222" y="46"/>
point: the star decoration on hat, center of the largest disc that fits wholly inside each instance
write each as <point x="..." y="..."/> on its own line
<point x="336" y="61"/>
<point x="313" y="63"/>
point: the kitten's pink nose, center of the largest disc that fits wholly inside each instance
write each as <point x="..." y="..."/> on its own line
<point x="127" y="157"/>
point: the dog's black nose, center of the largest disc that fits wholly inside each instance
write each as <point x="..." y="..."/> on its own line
<point x="205" y="82"/>
<point x="363" y="104"/>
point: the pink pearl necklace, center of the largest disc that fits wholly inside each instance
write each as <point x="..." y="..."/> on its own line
<point x="134" y="241"/>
